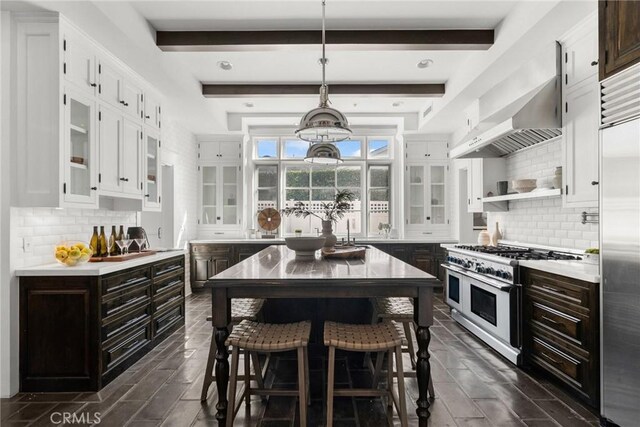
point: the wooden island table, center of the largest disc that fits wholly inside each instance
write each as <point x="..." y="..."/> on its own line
<point x="275" y="273"/>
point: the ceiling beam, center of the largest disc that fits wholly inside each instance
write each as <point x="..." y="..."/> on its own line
<point x="225" y="41"/>
<point x="432" y="90"/>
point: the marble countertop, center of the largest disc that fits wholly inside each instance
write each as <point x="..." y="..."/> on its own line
<point x="95" y="268"/>
<point x="575" y="269"/>
<point x="280" y="240"/>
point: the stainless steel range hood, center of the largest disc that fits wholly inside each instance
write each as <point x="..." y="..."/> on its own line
<point x="533" y="117"/>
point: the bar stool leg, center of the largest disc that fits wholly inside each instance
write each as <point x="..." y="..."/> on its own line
<point x="306" y="373"/>
<point x="208" y="373"/>
<point x="302" y="388"/>
<point x="430" y="389"/>
<point x="402" y="397"/>
<point x="412" y="352"/>
<point x="247" y="378"/>
<point x="233" y="382"/>
<point x="378" y="369"/>
<point x="390" y="379"/>
<point x="330" y="379"/>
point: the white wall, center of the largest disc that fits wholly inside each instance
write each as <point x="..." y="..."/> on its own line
<point x="542" y="221"/>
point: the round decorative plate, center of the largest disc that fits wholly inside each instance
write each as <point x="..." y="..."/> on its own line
<point x="269" y="219"/>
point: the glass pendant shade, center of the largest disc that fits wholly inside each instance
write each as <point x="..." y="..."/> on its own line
<point x="324" y="153"/>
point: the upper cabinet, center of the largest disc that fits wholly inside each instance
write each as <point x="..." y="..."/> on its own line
<point x="152" y="171"/>
<point x="81" y="120"/>
<point x="220" y="151"/>
<point x="619" y="34"/>
<point x="426" y="150"/>
<point x="426" y="198"/>
<point x="580" y="115"/>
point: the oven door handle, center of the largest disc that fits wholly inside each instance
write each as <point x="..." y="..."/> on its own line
<point x="480" y="278"/>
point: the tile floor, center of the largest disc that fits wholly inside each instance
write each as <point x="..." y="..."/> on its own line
<point x="474" y="387"/>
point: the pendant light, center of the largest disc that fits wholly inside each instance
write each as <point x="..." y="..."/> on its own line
<point x="323" y="126"/>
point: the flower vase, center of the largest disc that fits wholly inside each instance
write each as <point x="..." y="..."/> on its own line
<point x="496" y="236"/>
<point x="327" y="232"/>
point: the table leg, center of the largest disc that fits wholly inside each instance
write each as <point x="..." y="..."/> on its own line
<point x="423" y="373"/>
<point x="222" y="373"/>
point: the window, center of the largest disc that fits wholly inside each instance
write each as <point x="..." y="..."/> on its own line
<point x="379" y="197"/>
<point x="267" y="148"/>
<point x="267" y="186"/>
<point x="291" y="180"/>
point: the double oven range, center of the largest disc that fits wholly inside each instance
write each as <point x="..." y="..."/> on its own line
<point x="483" y="290"/>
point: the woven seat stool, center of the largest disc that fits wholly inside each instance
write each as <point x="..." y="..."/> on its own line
<point x="241" y="309"/>
<point x="269" y="338"/>
<point x="379" y="338"/>
<point x="400" y="311"/>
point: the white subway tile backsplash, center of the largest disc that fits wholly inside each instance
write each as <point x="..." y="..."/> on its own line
<point x="542" y="221"/>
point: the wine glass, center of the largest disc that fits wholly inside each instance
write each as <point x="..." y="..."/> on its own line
<point x="121" y="244"/>
<point x="140" y="243"/>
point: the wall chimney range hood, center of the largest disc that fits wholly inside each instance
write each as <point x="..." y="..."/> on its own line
<point x="533" y="117"/>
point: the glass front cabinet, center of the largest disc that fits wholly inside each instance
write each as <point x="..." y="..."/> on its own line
<point x="220" y="195"/>
<point x="426" y="210"/>
<point x="152" y="170"/>
<point x="80" y="149"/>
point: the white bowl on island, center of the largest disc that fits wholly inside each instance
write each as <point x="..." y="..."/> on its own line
<point x="305" y="246"/>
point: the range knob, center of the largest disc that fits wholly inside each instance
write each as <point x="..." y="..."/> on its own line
<point x="480" y="269"/>
<point x="489" y="270"/>
<point x="508" y="275"/>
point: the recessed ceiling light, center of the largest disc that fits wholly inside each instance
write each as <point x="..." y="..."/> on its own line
<point x="425" y="63"/>
<point x="397" y="103"/>
<point x="248" y="104"/>
<point x="225" y="65"/>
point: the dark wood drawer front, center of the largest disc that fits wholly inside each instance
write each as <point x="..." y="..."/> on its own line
<point x="124" y="323"/>
<point x="168" y="319"/>
<point x="554" y="287"/>
<point x="121" y="349"/>
<point x="124" y="281"/>
<point x="212" y="249"/>
<point x="560" y="363"/>
<point x="168" y="299"/>
<point x="117" y="303"/>
<point x="169" y="284"/>
<point x="558" y="321"/>
<point x="171" y="266"/>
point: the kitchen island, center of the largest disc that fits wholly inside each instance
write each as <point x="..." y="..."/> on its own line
<point x="275" y="273"/>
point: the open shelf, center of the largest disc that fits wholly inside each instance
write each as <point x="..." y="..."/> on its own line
<point x="77" y="129"/>
<point x="77" y="165"/>
<point x="535" y="194"/>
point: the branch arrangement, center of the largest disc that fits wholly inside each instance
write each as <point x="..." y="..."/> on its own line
<point x="333" y="211"/>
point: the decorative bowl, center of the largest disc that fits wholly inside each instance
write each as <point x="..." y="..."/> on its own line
<point x="305" y="247"/>
<point x="523" y="185"/>
<point x="72" y="253"/>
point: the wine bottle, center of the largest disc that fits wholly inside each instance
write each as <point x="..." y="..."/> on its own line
<point x="94" y="241"/>
<point x="104" y="249"/>
<point x="120" y="237"/>
<point x="113" y="248"/>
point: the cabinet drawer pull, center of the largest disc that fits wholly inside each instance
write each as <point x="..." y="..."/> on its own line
<point x="550" y="320"/>
<point x="551" y="359"/>
<point x="549" y="288"/>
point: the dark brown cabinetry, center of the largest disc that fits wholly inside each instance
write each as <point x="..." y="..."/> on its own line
<point x="561" y="332"/>
<point x="79" y="333"/>
<point x="619" y="33"/>
<point x="209" y="259"/>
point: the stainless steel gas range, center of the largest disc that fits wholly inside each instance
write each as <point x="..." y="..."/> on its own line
<point x="484" y="293"/>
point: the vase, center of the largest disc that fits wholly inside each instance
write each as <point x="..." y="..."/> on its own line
<point x="497" y="235"/>
<point x="557" y="178"/>
<point x="327" y="232"/>
<point x="484" y="238"/>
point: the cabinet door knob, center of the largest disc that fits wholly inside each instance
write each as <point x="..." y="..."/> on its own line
<point x="594" y="63"/>
<point x="93" y="84"/>
<point x="147" y="117"/>
<point x="94" y="188"/>
<point x="122" y="102"/>
<point x="147" y="195"/>
<point x="595" y="182"/>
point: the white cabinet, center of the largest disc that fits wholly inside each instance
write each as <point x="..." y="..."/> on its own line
<point x="79" y="61"/>
<point x="426" y="150"/>
<point x="152" y="171"/>
<point x="76" y="139"/>
<point x="581" y="120"/>
<point x="79" y="186"/>
<point x="219" y="151"/>
<point x="472" y="116"/>
<point x="151" y="111"/>
<point x="483" y="176"/>
<point x="580" y="53"/>
<point x="110" y="141"/>
<point x="426" y="197"/>
<point x="220" y="193"/>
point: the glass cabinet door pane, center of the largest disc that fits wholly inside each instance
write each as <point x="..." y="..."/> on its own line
<point x="80" y="147"/>
<point x="437" y="193"/>
<point x="230" y="194"/>
<point x="416" y="194"/>
<point x="152" y="169"/>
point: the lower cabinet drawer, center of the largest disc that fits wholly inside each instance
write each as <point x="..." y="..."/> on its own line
<point x="121" y="349"/>
<point x="124" y="323"/>
<point x="166" y="320"/>
<point x="557" y="321"/>
<point x="167" y="267"/>
<point x="167" y="299"/>
<point x="122" y="281"/>
<point x="567" y="367"/>
<point x="121" y="302"/>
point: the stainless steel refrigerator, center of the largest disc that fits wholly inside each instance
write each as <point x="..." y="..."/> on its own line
<point x="620" y="285"/>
